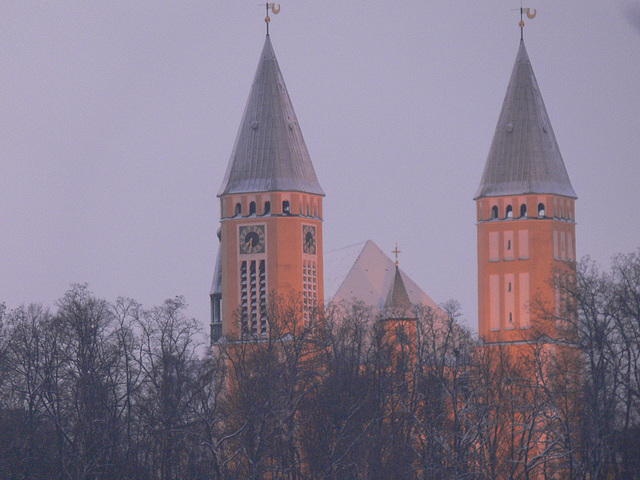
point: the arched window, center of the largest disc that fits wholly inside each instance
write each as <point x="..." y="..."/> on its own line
<point x="509" y="212"/>
<point x="252" y="208"/>
<point x="523" y="210"/>
<point x="494" y="212"/>
<point x="541" y="210"/>
<point x="238" y="209"/>
<point x="286" y="207"/>
<point x="267" y="208"/>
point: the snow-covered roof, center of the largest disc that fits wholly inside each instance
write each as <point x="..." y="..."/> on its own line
<point x="365" y="273"/>
<point x="524" y="156"/>
<point x="269" y="153"/>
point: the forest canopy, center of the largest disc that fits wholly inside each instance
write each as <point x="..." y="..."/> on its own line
<point x="93" y="389"/>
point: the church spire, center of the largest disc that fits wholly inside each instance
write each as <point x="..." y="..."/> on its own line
<point x="397" y="298"/>
<point x="270" y="214"/>
<point x="270" y="153"/>
<point x="398" y="304"/>
<point x="524" y="156"/>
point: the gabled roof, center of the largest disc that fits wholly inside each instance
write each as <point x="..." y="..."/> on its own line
<point x="524" y="156"/>
<point x="364" y="272"/>
<point x="269" y="153"/>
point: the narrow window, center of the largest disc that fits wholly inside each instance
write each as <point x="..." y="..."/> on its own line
<point x="509" y="212"/>
<point x="238" y="209"/>
<point x="494" y="212"/>
<point x="267" y="208"/>
<point x="523" y="210"/>
<point x="507" y="245"/>
<point x="286" y="207"/>
<point x="541" y="210"/>
<point x="252" y="208"/>
<point x="509" y="286"/>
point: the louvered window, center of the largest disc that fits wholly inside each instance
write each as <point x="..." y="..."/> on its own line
<point x="253" y="297"/>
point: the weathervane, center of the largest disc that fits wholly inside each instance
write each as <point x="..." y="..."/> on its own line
<point x="530" y="15"/>
<point x="274" y="9"/>
<point x="396" y="251"/>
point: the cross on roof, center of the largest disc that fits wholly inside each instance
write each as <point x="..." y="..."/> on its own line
<point x="396" y="251"/>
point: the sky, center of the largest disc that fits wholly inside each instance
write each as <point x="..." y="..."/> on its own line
<point x="117" y="120"/>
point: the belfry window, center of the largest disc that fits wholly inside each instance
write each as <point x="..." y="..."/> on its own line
<point x="494" y="212"/>
<point x="541" y="210"/>
<point x="238" y="209"/>
<point x="252" y="208"/>
<point x="523" y="210"/>
<point x="286" y="207"/>
<point x="509" y="213"/>
<point x="253" y="298"/>
<point x="309" y="289"/>
<point x="267" y="208"/>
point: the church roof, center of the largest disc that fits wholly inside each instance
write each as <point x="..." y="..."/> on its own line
<point x="524" y="156"/>
<point x="364" y="272"/>
<point x="269" y="153"/>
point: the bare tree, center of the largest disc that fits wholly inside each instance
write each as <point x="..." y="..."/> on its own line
<point x="168" y="362"/>
<point x="27" y="433"/>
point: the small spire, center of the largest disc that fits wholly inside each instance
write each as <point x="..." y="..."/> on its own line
<point x="396" y="251"/>
<point x="398" y="304"/>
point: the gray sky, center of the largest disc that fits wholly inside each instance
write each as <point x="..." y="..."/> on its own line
<point x="117" y="120"/>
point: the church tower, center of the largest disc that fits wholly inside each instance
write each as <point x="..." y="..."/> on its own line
<point x="270" y="211"/>
<point x="525" y="214"/>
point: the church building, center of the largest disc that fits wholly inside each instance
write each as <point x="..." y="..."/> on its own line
<point x="525" y="214"/>
<point x="271" y="212"/>
<point x="271" y="223"/>
<point x="271" y="220"/>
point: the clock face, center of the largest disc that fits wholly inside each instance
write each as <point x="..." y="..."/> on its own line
<point x="309" y="239"/>
<point x="251" y="239"/>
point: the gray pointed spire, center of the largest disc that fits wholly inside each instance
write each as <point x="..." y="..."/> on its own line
<point x="524" y="156"/>
<point x="269" y="153"/>
<point x="398" y="302"/>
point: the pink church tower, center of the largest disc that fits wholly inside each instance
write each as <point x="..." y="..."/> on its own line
<point x="525" y="215"/>
<point x="271" y="213"/>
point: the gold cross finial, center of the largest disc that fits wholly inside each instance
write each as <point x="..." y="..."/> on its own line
<point x="396" y="251"/>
